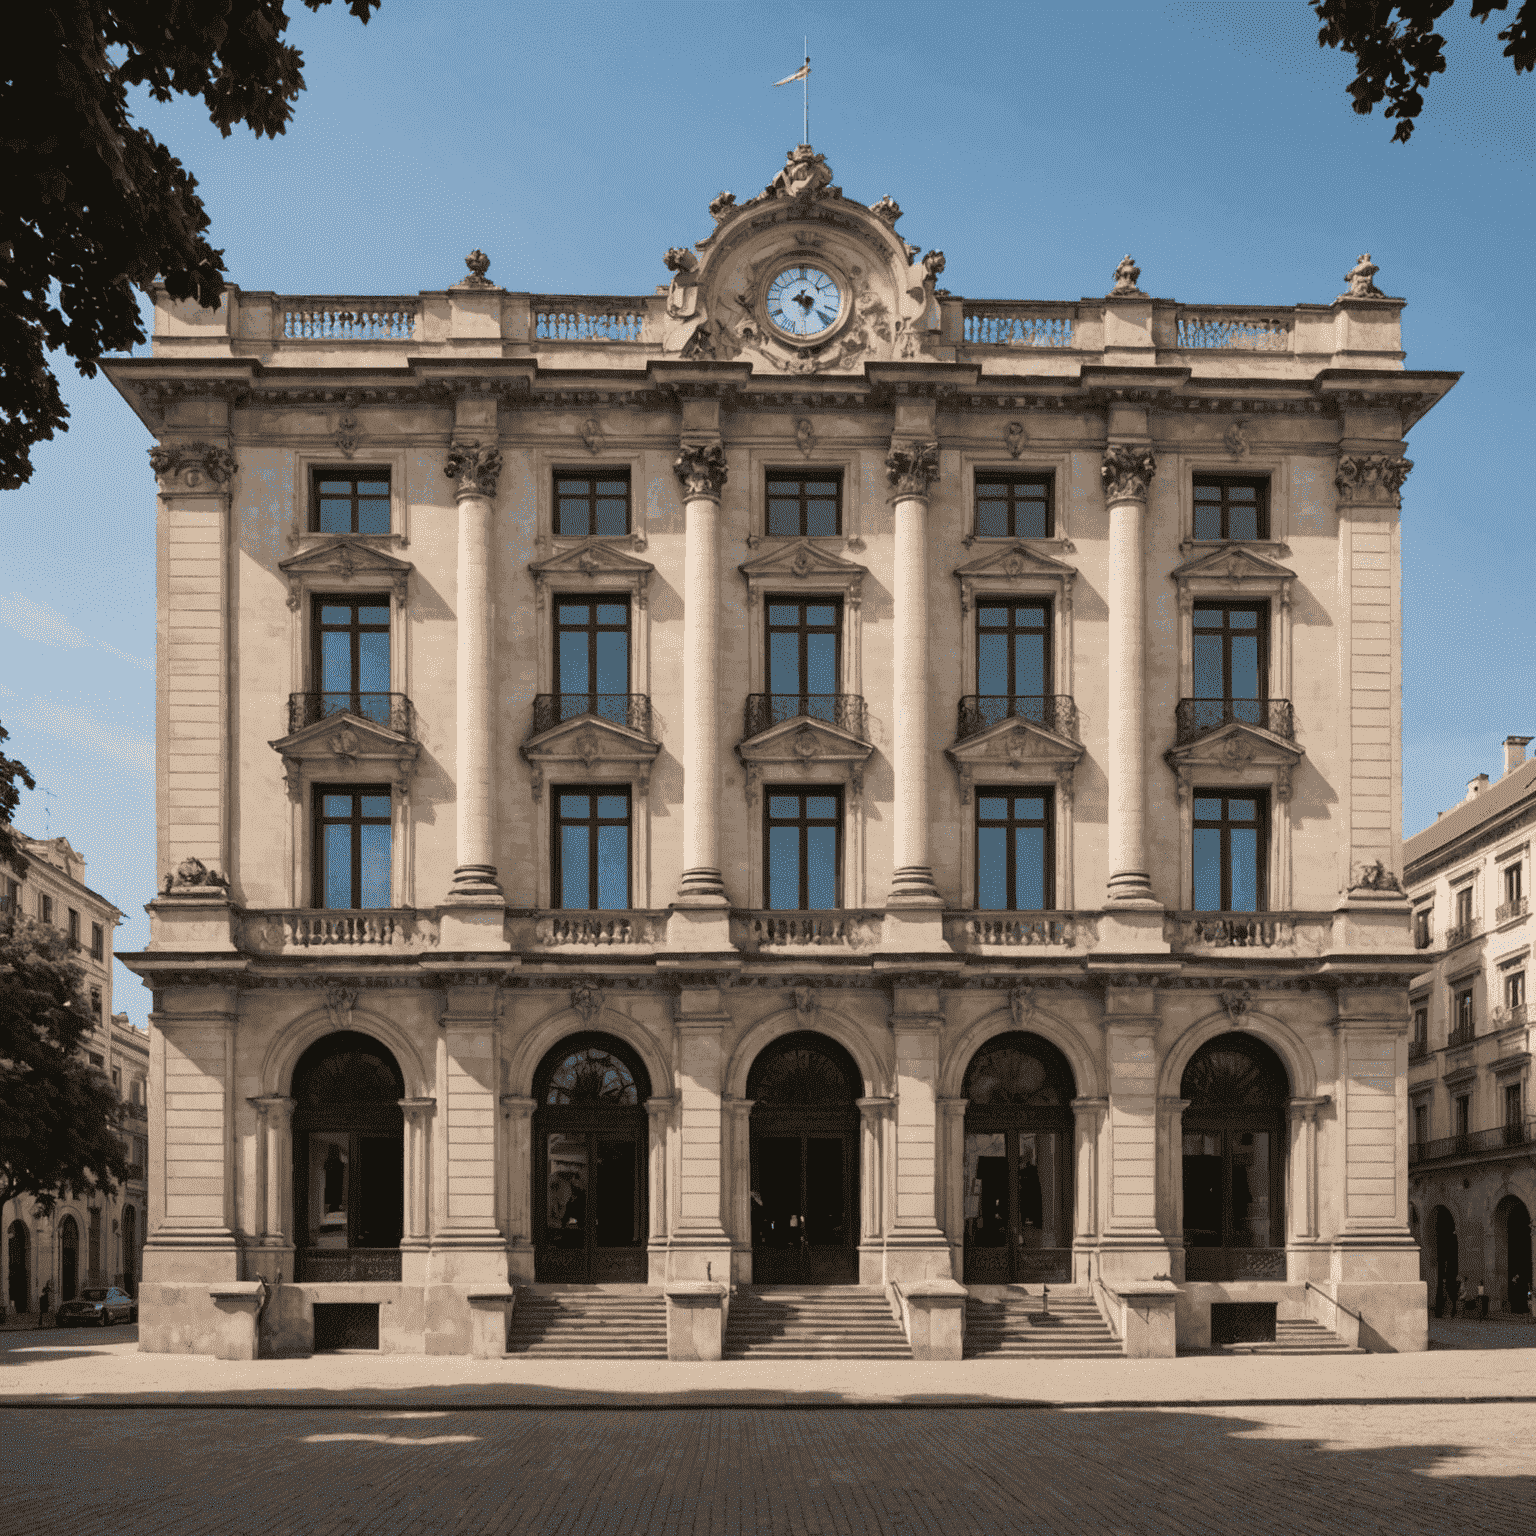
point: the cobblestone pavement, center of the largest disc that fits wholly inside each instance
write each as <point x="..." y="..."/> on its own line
<point x="1391" y="1469"/>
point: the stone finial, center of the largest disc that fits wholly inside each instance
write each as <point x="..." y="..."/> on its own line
<point x="193" y="463"/>
<point x="722" y="206"/>
<point x="1127" y="275"/>
<point x="1359" y="279"/>
<point x="912" y="468"/>
<point x="475" y="468"/>
<point x="1127" y="473"/>
<point x="1371" y="479"/>
<point x="887" y="209"/>
<point x="479" y="264"/>
<point x="805" y="174"/>
<point x="701" y="468"/>
<point x="933" y="264"/>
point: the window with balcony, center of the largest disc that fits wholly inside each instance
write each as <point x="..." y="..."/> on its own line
<point x="1014" y="669"/>
<point x="1514" y="990"/>
<point x="1462" y="923"/>
<point x="803" y="839"/>
<point x="805" y="505"/>
<point x="591" y="839"/>
<point x="1231" y="507"/>
<point x="592" y="662"/>
<point x="1231" y="665"/>
<point x="1420" y="1123"/>
<point x="1015" y="862"/>
<point x="804" y="660"/>
<point x="1463" y="1019"/>
<point x="352" y="847"/>
<point x="1013" y="505"/>
<point x="1462" y="1112"/>
<point x="1513" y="882"/>
<point x="98" y="941"/>
<point x="1423" y="934"/>
<point x="350" y="658"/>
<point x="1230" y="851"/>
<point x="588" y="504"/>
<point x="1514" y="1104"/>
<point x="349" y="500"/>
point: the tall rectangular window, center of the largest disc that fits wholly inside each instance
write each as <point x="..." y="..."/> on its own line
<point x="45" y="909"/>
<point x="10" y="895"/>
<point x="1013" y="505"/>
<point x="1463" y="900"/>
<point x="352" y="847"/>
<point x="74" y="929"/>
<point x="592" y="657"/>
<point x="1015" y="864"/>
<point x="1514" y="989"/>
<point x="96" y="1003"/>
<point x="1514" y="1108"/>
<point x="1231" y="507"/>
<point x="1421" y="929"/>
<point x="805" y="641"/>
<point x="1463" y="1113"/>
<point x="1230" y="846"/>
<point x="805" y="506"/>
<point x="587" y="504"/>
<point x="803" y="849"/>
<point x="98" y="942"/>
<point x="349" y="501"/>
<point x="1231" y="662"/>
<point x="1421" y="1123"/>
<point x="351" y="656"/>
<point x="591" y="848"/>
<point x="1514" y="883"/>
<point x="1420" y="1025"/>
<point x="1466" y="1020"/>
<point x="1013" y="659"/>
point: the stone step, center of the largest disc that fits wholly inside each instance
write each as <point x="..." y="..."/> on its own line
<point x="1297" y="1336"/>
<point x="838" y="1323"/>
<point x="1006" y="1330"/>
<point x="589" y="1325"/>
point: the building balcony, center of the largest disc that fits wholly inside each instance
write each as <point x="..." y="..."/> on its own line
<point x="1505" y="1017"/>
<point x="628" y="709"/>
<point x="1462" y="933"/>
<point x="303" y="930"/>
<point x="846" y="929"/>
<point x="632" y="931"/>
<point x="393" y="711"/>
<point x="1463" y="1034"/>
<point x="1508" y="911"/>
<point x="847" y="711"/>
<point x="985" y="932"/>
<point x="1194" y="718"/>
<point x="1418" y="1050"/>
<point x="981" y="711"/>
<point x="1516" y="1137"/>
<point x="1300" y="933"/>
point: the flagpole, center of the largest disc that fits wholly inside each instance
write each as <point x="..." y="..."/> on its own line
<point x="805" y="94"/>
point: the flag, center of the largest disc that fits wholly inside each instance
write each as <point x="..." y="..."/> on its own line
<point x="799" y="74"/>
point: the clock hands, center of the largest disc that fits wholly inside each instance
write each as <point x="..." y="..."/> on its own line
<point x="805" y="301"/>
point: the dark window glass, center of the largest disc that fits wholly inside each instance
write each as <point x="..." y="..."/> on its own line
<point x="592" y="1075"/>
<point x="802" y="840"/>
<point x="45" y="909"/>
<point x="1420" y="1023"/>
<point x="349" y="501"/>
<point x="805" y="506"/>
<point x="1463" y="1114"/>
<point x="74" y="929"/>
<point x="592" y="656"/>
<point x="1014" y="858"/>
<point x="96" y="1002"/>
<point x="351" y="655"/>
<point x="591" y="504"/>
<point x="1464" y="906"/>
<point x="1514" y="989"/>
<point x="1231" y="507"/>
<point x="1421" y="1123"/>
<point x="1231" y="653"/>
<point x="805" y="639"/>
<point x="1512" y="1105"/>
<point x="1465" y="1019"/>
<point x="98" y="941"/>
<point x="1013" y="506"/>
<point x="1230" y="845"/>
<point x="352" y="847"/>
<point x="591" y="848"/>
<point x="1513" y="883"/>
<point x="1013" y="648"/>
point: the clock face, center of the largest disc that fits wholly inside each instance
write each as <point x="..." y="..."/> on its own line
<point x="804" y="301"/>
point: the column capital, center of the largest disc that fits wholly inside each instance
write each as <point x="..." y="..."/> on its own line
<point x="701" y="469"/>
<point x="1127" y="472"/>
<point x="415" y="1109"/>
<point x="911" y="468"/>
<point x="196" y="468"/>
<point x="1371" y="479"/>
<point x="476" y="468"/>
<point x="1306" y="1109"/>
<point x="277" y="1105"/>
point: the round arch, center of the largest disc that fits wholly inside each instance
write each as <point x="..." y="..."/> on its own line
<point x="291" y="1042"/>
<point x="563" y="1022"/>
<point x="825" y="1021"/>
<point x="957" y="1060"/>
<point x="1275" y="1033"/>
<point x="1511" y="1271"/>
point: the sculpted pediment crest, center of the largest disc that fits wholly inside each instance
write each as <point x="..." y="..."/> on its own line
<point x="803" y="748"/>
<point x="594" y="560"/>
<point x="593" y="745"/>
<point x="806" y="562"/>
<point x="345" y="559"/>
<point x="1231" y="563"/>
<point x="1011" y="568"/>
<point x="347" y="746"/>
<point x="1014" y="751"/>
<point x="1238" y="753"/>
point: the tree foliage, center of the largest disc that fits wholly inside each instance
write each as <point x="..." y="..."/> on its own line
<point x="11" y="769"/>
<point x="59" y="1116"/>
<point x="93" y="207"/>
<point x="1396" y="48"/>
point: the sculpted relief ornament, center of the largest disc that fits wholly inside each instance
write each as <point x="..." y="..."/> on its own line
<point x="475" y="468"/>
<point x="192" y="464"/>
<point x="1359" y="277"/>
<point x="912" y="469"/>
<point x="701" y="469"/>
<point x="1127" y="275"/>
<point x="1127" y="473"/>
<point x="1371" y="479"/>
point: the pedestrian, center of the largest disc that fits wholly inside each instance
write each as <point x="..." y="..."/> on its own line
<point x="1482" y="1303"/>
<point x="44" y="1300"/>
<point x="1464" y="1292"/>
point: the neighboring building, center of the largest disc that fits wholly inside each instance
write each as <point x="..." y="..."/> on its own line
<point x="796" y="776"/>
<point x="1472" y="1133"/>
<point x="82" y="1242"/>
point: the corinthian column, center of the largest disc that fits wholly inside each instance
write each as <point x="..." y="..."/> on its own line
<point x="911" y="469"/>
<point x="701" y="922"/>
<point x="1127" y="473"/>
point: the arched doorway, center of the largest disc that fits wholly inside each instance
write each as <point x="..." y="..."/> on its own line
<point x="130" y="1250"/>
<point x="591" y="1141"/>
<point x="1513" y="1230"/>
<point x="804" y="1090"/>
<point x="1447" y="1257"/>
<point x="1018" y="1162"/>
<point x="1234" y="1161"/>
<point x="69" y="1259"/>
<point x="348" y="1160"/>
<point x="18" y="1271"/>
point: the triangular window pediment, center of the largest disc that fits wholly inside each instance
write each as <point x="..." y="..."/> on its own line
<point x="591" y="741"/>
<point x="1014" y="751"/>
<point x="803" y="740"/>
<point x="802" y="561"/>
<point x="1015" y="561"/>
<point x="344" y="561"/>
<point x="347" y="747"/>
<point x="593" y="558"/>
<point x="1233" y="563"/>
<point x="1236" y="745"/>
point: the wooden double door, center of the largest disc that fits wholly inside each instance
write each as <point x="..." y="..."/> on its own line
<point x="805" y="1197"/>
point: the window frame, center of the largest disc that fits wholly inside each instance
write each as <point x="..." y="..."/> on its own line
<point x="1461" y="1114"/>
<point x="318" y="821"/>
<point x="317" y="629"/>
<point x="72" y="927"/>
<point x="1514" y="983"/>
<point x="1046" y="792"/>
<point x="592" y="474"/>
<point x="1464" y="1010"/>
<point x="1012" y="477"/>
<point x="1224" y="482"/>
<point x="356" y="473"/>
<point x="805" y="822"/>
<point x="556" y="821"/>
<point x="98" y="941"/>
<point x="804" y="474"/>
<point x="803" y="629"/>
<point x="1047" y="633"/>
<point x="45" y="908"/>
<point x="592" y="629"/>
<point x="1261" y="827"/>
<point x="1262" y="629"/>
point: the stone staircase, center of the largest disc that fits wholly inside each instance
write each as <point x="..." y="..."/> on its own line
<point x="1003" y="1329"/>
<point x="589" y="1323"/>
<point x="832" y="1322"/>
<point x="1296" y="1336"/>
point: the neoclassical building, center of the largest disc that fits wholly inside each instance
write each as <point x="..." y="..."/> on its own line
<point x="791" y="778"/>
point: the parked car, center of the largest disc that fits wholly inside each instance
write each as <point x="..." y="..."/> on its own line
<point x="99" y="1305"/>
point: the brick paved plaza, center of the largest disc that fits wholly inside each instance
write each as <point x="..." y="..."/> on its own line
<point x="269" y="1447"/>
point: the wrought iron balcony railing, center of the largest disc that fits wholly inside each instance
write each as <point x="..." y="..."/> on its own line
<point x="631" y="709"/>
<point x="1463" y="1034"/>
<point x="981" y="711"/>
<point x="391" y="710"/>
<point x="1520" y="1133"/>
<point x="1193" y="718"/>
<point x="1462" y="932"/>
<point x="1511" y="909"/>
<point x="846" y="710"/>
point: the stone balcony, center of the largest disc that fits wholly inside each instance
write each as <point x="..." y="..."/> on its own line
<point x="1297" y="934"/>
<point x="541" y="931"/>
<point x="996" y="933"/>
<point x="845" y="930"/>
<point x="311" y="931"/>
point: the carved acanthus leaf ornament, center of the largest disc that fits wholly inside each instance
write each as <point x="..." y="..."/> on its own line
<point x="193" y="463"/>
<point x="1371" y="479"/>
<point x="476" y="469"/>
<point x="912" y="469"/>
<point x="701" y="469"/>
<point x="1127" y="473"/>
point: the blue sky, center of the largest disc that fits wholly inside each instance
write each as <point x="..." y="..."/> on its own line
<point x="1035" y="144"/>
